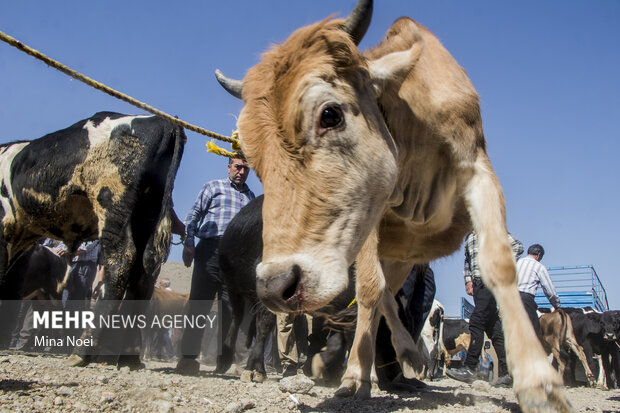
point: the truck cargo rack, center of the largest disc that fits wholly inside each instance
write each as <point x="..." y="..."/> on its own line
<point x="577" y="286"/>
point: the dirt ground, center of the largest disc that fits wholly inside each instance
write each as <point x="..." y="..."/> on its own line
<point x="41" y="383"/>
<point x="36" y="383"/>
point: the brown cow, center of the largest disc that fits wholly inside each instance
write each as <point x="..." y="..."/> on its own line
<point x="556" y="331"/>
<point x="377" y="157"/>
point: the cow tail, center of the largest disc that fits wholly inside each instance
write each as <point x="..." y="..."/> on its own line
<point x="160" y="240"/>
<point x="565" y="322"/>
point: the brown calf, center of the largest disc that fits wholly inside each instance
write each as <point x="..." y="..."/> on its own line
<point x="556" y="331"/>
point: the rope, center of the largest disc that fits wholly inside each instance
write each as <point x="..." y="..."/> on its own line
<point x="119" y="95"/>
<point x="387" y="364"/>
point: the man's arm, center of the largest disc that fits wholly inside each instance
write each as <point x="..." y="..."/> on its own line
<point x="193" y="221"/>
<point x="517" y="246"/>
<point x="467" y="270"/>
<point x="197" y="213"/>
<point x="548" y="288"/>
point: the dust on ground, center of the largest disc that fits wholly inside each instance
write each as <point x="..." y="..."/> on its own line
<point x="41" y="383"/>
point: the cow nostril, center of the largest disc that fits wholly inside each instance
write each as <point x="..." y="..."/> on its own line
<point x="295" y="276"/>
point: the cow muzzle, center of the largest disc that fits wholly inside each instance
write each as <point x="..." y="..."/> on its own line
<point x="282" y="292"/>
<point x="299" y="284"/>
<point x="610" y="337"/>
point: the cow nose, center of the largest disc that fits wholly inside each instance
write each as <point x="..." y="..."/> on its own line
<point x="279" y="292"/>
<point x="610" y="336"/>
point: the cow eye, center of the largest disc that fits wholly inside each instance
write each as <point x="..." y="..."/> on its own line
<point x="331" y="117"/>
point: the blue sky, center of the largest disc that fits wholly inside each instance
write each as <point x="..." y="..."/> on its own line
<point x="548" y="74"/>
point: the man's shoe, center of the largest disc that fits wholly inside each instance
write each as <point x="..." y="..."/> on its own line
<point x="187" y="366"/>
<point x="503" y="381"/>
<point x="464" y="374"/>
<point x="289" y="370"/>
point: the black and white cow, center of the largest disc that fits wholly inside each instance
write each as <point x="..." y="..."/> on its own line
<point x="593" y="331"/>
<point x="430" y="342"/>
<point x="455" y="338"/>
<point x="109" y="177"/>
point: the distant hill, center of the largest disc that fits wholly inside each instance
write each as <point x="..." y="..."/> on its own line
<point x="180" y="276"/>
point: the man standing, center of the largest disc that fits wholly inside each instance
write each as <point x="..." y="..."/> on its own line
<point x="484" y="318"/>
<point x="216" y="205"/>
<point x="530" y="274"/>
<point x="84" y="268"/>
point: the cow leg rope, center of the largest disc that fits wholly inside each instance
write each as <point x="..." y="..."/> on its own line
<point x="233" y="140"/>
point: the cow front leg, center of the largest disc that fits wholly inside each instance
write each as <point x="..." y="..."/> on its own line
<point x="369" y="287"/>
<point x="407" y="352"/>
<point x="537" y="385"/>
<point x="571" y="341"/>
<point x="255" y="367"/>
<point x="119" y="254"/>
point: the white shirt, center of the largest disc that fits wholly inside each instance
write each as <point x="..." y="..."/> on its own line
<point x="530" y="274"/>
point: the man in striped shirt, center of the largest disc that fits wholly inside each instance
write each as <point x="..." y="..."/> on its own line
<point x="530" y="274"/>
<point x="216" y="205"/>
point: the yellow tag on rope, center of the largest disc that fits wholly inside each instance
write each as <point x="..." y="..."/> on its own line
<point x="213" y="148"/>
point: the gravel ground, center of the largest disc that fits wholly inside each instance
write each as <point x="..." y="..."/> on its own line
<point x="35" y="383"/>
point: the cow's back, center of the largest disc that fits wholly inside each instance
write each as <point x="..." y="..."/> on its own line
<point x="436" y="124"/>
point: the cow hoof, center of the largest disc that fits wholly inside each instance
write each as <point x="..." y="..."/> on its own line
<point x="542" y="400"/>
<point x="75" y="360"/>
<point x="350" y="387"/>
<point x="258" y="377"/>
<point x="133" y="362"/>
<point x="346" y="390"/>
<point x="246" y="376"/>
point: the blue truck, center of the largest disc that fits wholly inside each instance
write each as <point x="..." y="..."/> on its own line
<point x="577" y="286"/>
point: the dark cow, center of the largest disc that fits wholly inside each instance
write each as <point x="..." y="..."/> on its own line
<point x="109" y="177"/>
<point x="611" y="353"/>
<point x="39" y="271"/>
<point x="556" y="330"/>
<point x="589" y="329"/>
<point x="237" y="264"/>
<point x="240" y="250"/>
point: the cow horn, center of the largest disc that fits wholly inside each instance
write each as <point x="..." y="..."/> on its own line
<point x="232" y="86"/>
<point x="358" y="21"/>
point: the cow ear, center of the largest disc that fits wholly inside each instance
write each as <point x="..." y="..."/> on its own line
<point x="392" y="69"/>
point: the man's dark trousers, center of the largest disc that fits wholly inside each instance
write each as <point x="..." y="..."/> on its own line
<point x="206" y="282"/>
<point x="530" y="308"/>
<point x="485" y="318"/>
